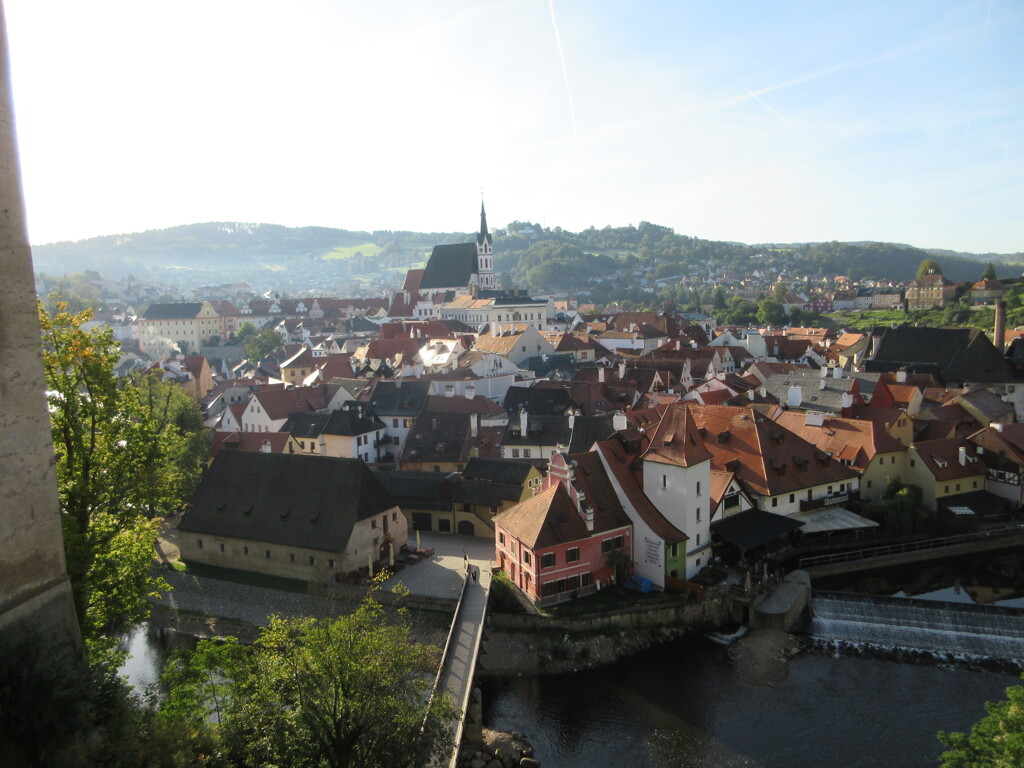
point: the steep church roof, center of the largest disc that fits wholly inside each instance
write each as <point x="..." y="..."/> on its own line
<point x="450" y="266"/>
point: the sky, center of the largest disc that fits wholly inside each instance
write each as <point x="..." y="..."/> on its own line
<point x="745" y="121"/>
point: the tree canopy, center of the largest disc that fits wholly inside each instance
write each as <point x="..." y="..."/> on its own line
<point x="928" y="267"/>
<point x="997" y="741"/>
<point x="351" y="691"/>
<point x="125" y="454"/>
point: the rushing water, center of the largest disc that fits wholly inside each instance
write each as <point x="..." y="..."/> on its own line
<point x="681" y="705"/>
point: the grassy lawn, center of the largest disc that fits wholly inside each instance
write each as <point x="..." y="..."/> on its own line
<point x="609" y="599"/>
<point x="348" y="251"/>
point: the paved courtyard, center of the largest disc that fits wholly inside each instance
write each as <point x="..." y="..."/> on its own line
<point x="442" y="575"/>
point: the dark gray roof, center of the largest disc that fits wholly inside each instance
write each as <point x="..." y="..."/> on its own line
<point x="418" y="490"/>
<point x="507" y="471"/>
<point x="389" y="399"/>
<point x="291" y="500"/>
<point x="450" y="266"/>
<point x="305" y="425"/>
<point x="955" y="355"/>
<point x="555" y="430"/>
<point x="538" y="402"/>
<point x="485" y="494"/>
<point x="753" y="528"/>
<point x="349" y="423"/>
<point x="179" y="310"/>
<point x="438" y="437"/>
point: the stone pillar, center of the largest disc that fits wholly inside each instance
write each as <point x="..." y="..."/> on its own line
<point x="35" y="594"/>
<point x="473" y="731"/>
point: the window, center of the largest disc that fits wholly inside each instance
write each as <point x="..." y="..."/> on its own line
<point x="792" y="498"/>
<point x="394" y="422"/>
<point x="958" y="486"/>
<point x="444" y="525"/>
<point x="221" y="547"/>
<point x="664" y="481"/>
<point x="869" y="483"/>
<point x="526" y="453"/>
<point x="586" y="579"/>
<point x="573" y="582"/>
<point x="547" y="560"/>
<point x="775" y="502"/>
<point x="830" y="489"/>
<point x="698" y="539"/>
<point x="975" y="484"/>
<point x="698" y="492"/>
<point x="698" y="514"/>
<point x="199" y="543"/>
<point x="267" y="553"/>
<point x="373" y="523"/>
<point x="526" y="557"/>
<point x="437" y="467"/>
<point x="330" y="563"/>
<point x="376" y="541"/>
<point x="291" y="558"/>
<point x="913" y="463"/>
<point x="394" y="517"/>
<point x="947" y="489"/>
<point x="312" y="560"/>
<point x="501" y="538"/>
<point x="572" y="555"/>
<point x="515" y="453"/>
<point x="547" y="589"/>
<point x="245" y="550"/>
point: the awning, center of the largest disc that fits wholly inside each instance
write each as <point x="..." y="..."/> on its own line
<point x="832" y="519"/>
<point x="753" y="528"/>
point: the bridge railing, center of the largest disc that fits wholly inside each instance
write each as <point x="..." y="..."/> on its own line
<point x="444" y="653"/>
<point x="910" y="546"/>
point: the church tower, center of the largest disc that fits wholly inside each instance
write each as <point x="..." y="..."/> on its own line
<point x="484" y="255"/>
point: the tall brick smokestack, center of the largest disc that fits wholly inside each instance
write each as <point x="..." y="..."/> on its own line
<point x="999" y="333"/>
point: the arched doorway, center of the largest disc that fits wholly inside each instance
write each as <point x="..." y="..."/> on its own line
<point x="466" y="528"/>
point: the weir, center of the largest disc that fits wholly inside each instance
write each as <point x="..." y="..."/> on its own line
<point x="957" y="629"/>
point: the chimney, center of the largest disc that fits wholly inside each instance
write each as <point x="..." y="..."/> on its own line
<point x="470" y="391"/>
<point x="588" y="512"/>
<point x="572" y="419"/>
<point x="837" y="372"/>
<point x="619" y="421"/>
<point x="821" y="384"/>
<point x="449" y="390"/>
<point x="824" y="371"/>
<point x="522" y="421"/>
<point x="622" y="371"/>
<point x="901" y="376"/>
<point x="679" y="345"/>
<point x="762" y="392"/>
<point x="814" y="419"/>
<point x="750" y="394"/>
<point x="1000" y="330"/>
<point x="962" y="455"/>
<point x="474" y="424"/>
<point x="794" y="397"/>
<point x="600" y="375"/>
<point x="996" y="426"/>
<point x="847" y="400"/>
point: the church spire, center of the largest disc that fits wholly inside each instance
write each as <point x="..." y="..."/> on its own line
<point x="484" y="235"/>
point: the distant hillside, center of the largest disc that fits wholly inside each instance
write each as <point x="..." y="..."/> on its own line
<point x="527" y="253"/>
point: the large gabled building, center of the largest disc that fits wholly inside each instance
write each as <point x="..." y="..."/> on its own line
<point x="301" y="517"/>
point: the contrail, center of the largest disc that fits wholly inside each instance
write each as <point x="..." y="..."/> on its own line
<point x="565" y="77"/>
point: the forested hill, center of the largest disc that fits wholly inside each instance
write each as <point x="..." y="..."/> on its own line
<point x="526" y="253"/>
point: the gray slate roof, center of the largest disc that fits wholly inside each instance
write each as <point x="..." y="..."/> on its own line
<point x="291" y="500"/>
<point x="176" y="311"/>
<point x="450" y="266"/>
<point x="955" y="355"/>
<point x="506" y="471"/>
<point x="388" y="399"/>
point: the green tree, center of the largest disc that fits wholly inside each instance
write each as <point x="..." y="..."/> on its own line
<point x="770" y="312"/>
<point x="260" y="344"/>
<point x="928" y="267"/>
<point x="719" y="298"/>
<point x="351" y="691"/>
<point x="989" y="273"/>
<point x="997" y="741"/>
<point x="113" y="474"/>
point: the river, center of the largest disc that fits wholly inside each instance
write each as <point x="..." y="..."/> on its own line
<point x="681" y="705"/>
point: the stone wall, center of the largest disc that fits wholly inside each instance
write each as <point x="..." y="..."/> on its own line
<point x="527" y="644"/>
<point x="35" y="594"/>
